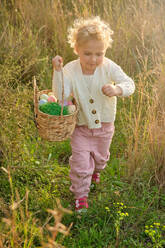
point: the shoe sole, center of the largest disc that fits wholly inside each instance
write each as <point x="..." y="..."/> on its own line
<point x="82" y="210"/>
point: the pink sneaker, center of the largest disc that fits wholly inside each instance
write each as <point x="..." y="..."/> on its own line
<point x="81" y="205"/>
<point x="96" y="178"/>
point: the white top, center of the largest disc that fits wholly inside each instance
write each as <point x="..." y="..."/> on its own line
<point x="89" y="81"/>
<point x="94" y="106"/>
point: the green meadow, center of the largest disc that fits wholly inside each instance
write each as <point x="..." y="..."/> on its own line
<point x="127" y="209"/>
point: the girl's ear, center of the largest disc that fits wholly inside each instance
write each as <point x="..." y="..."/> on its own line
<point x="76" y="49"/>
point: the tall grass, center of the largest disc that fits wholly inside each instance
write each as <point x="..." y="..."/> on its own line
<point x="20" y="228"/>
<point x="32" y="32"/>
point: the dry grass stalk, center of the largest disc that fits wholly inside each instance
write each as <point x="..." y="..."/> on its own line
<point x="20" y="227"/>
<point x="58" y="226"/>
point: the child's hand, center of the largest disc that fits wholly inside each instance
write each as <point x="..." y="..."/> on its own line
<point x="57" y="63"/>
<point x="111" y="90"/>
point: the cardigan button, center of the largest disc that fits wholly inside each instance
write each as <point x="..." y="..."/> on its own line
<point x="91" y="100"/>
<point x="93" y="111"/>
<point x="97" y="121"/>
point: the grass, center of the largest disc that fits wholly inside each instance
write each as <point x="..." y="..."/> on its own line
<point x="143" y="200"/>
<point x="36" y="172"/>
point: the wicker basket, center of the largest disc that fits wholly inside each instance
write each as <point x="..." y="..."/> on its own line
<point x="52" y="127"/>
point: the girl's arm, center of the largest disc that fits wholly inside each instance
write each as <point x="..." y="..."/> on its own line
<point x="57" y="79"/>
<point x="122" y="81"/>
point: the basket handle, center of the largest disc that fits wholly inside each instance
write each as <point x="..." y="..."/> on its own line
<point x="62" y="82"/>
<point x="62" y="77"/>
<point x="35" y="95"/>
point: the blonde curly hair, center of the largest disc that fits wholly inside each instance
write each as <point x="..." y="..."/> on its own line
<point x="84" y="30"/>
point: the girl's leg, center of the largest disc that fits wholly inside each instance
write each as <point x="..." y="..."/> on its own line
<point x="101" y="146"/>
<point x="81" y="162"/>
<point x="82" y="167"/>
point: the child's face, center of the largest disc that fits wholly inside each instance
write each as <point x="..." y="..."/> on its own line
<point x="91" y="55"/>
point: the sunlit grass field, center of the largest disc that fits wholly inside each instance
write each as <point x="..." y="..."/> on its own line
<point x="128" y="208"/>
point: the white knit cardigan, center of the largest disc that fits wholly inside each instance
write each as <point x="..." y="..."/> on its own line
<point x="104" y="107"/>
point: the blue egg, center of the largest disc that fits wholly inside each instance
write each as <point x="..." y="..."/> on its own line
<point x="44" y="96"/>
<point x="42" y="101"/>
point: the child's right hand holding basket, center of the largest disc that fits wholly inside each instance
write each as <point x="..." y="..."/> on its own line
<point x="57" y="63"/>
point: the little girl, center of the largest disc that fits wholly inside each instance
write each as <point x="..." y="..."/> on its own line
<point x="94" y="81"/>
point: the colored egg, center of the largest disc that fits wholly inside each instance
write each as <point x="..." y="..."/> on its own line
<point x="71" y="108"/>
<point x="70" y="103"/>
<point x="44" y="96"/>
<point x="52" y="99"/>
<point x="50" y="94"/>
<point x="65" y="102"/>
<point x="42" y="101"/>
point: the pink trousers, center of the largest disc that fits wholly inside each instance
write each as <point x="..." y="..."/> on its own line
<point x="90" y="153"/>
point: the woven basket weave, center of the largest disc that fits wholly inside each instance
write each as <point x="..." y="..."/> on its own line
<point x="52" y="127"/>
